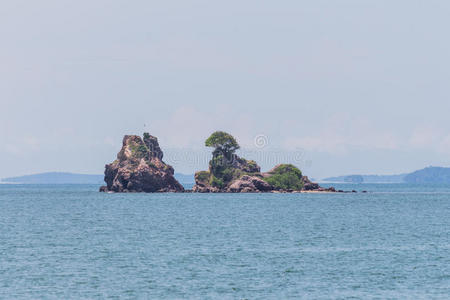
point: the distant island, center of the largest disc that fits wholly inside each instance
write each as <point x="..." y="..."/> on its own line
<point x="423" y="176"/>
<point x="366" y="179"/>
<point x="429" y="175"/>
<point x="73" y="178"/>
<point x="56" y="178"/>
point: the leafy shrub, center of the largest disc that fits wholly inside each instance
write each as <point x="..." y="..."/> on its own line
<point x="216" y="182"/>
<point x="139" y="150"/>
<point x="286" y="177"/>
<point x="222" y="169"/>
<point x="228" y="174"/>
<point x="203" y="176"/>
<point x="252" y="164"/>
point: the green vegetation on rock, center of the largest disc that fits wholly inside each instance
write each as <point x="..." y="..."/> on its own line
<point x="216" y="182"/>
<point x="252" y="164"/>
<point x="203" y="176"/>
<point x="139" y="168"/>
<point x="223" y="143"/>
<point x="139" y="150"/>
<point x="285" y="177"/>
<point x="142" y="151"/>
<point x="225" y="166"/>
<point x="230" y="173"/>
<point x="221" y="166"/>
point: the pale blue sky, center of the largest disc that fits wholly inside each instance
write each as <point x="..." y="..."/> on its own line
<point x="359" y="86"/>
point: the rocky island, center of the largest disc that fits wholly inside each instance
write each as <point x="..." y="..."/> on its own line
<point x="229" y="173"/>
<point x="139" y="168"/>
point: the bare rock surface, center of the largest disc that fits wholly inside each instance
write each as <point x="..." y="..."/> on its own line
<point x="249" y="184"/>
<point x="139" y="168"/>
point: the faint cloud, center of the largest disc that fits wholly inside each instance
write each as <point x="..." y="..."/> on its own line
<point x="31" y="142"/>
<point x="343" y="133"/>
<point x="325" y="143"/>
<point x="186" y="127"/>
<point x="430" y="137"/>
<point x="425" y="136"/>
<point x="110" y="141"/>
<point x="12" y="149"/>
<point x="22" y="146"/>
<point x="444" y="145"/>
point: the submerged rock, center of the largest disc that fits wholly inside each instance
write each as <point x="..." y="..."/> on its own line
<point x="139" y="168"/>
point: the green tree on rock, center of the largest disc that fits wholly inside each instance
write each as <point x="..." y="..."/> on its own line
<point x="223" y="143"/>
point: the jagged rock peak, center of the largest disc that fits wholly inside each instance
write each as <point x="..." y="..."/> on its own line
<point x="139" y="168"/>
<point x="152" y="144"/>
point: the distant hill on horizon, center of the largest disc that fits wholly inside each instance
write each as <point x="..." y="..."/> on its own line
<point x="429" y="175"/>
<point x="74" y="178"/>
<point x="426" y="175"/>
<point x="56" y="178"/>
<point x="367" y="179"/>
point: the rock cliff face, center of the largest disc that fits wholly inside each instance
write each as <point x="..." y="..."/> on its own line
<point x="139" y="168"/>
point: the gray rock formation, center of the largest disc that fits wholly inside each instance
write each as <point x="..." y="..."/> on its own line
<point x="139" y="168"/>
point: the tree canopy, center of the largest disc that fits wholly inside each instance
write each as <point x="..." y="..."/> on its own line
<point x="286" y="177"/>
<point x="222" y="142"/>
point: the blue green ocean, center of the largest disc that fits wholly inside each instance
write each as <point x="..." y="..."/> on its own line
<point x="72" y="242"/>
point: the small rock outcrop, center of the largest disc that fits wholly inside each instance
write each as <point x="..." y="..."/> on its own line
<point x="139" y="168"/>
<point x="308" y="185"/>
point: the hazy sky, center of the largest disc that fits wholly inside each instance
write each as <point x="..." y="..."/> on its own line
<point x="337" y="87"/>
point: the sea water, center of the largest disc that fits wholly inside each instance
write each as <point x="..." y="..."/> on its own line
<point x="70" y="242"/>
